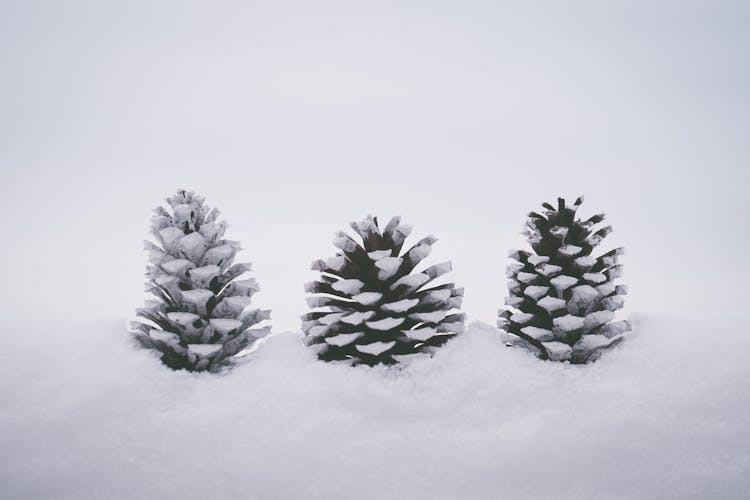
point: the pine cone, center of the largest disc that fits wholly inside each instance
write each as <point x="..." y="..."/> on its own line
<point x="562" y="299"/>
<point x="199" y="319"/>
<point x="374" y="307"/>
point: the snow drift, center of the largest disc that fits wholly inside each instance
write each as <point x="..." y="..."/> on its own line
<point x="88" y="416"/>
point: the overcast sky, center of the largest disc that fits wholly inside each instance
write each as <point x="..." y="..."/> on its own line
<point x="295" y="118"/>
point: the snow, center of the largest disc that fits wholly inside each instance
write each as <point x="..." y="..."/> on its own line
<point x="402" y="231"/>
<point x="585" y="262"/>
<point x="375" y="348"/>
<point x="344" y="242"/>
<point x="336" y="263"/>
<point x="594" y="277"/>
<point x="348" y="286"/>
<point x="367" y="298"/>
<point x="535" y="291"/>
<point x="597" y="318"/>
<point x="343" y="338"/>
<point x="513" y="300"/>
<point x="224" y="325"/>
<point x="169" y="282"/>
<point x="163" y="336"/>
<point x="421" y="251"/>
<point x="183" y="318"/>
<point x="211" y="231"/>
<point x="366" y="225"/>
<point x="317" y="301"/>
<point x="331" y="318"/>
<point x="246" y="287"/>
<point x="218" y="255"/>
<point x="317" y="330"/>
<point x="537" y="333"/>
<point x="615" y="272"/>
<point x="551" y="303"/>
<point x="568" y="323"/>
<point x="522" y="317"/>
<point x="570" y="250"/>
<point x="182" y="213"/>
<point x="177" y="266"/>
<point x="613" y="303"/>
<point x="558" y="351"/>
<point x="439" y="269"/>
<point x="535" y="260"/>
<point x="192" y="246"/>
<point x="606" y="288"/>
<point x="591" y="342"/>
<point x="357" y="318"/>
<point x="563" y="282"/>
<point x="429" y="317"/>
<point x="385" y="324"/>
<point x="196" y="297"/>
<point x="411" y="281"/>
<point x="583" y="295"/>
<point x="387" y="266"/>
<point x="232" y="306"/>
<point x="93" y="417"/>
<point x="379" y="254"/>
<point x="526" y="277"/>
<point x="548" y="269"/>
<point x="421" y="334"/>
<point x="513" y="267"/>
<point x="613" y="329"/>
<point x="205" y="349"/>
<point x="440" y="295"/>
<point x="170" y="236"/>
<point x="202" y="276"/>
<point x="401" y="305"/>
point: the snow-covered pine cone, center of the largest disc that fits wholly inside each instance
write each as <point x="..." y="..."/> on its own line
<point x="562" y="299"/>
<point x="372" y="306"/>
<point x="200" y="317"/>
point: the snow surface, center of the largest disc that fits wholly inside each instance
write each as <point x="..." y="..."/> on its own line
<point x="348" y="286"/>
<point x="88" y="416"/>
<point x="568" y="323"/>
<point x="385" y="323"/>
<point x="205" y="349"/>
<point x="388" y="266"/>
<point x="375" y="348"/>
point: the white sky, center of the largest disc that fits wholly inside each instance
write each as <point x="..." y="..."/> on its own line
<point x="295" y="118"/>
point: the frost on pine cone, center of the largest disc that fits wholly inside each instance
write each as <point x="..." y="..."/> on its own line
<point x="562" y="299"/>
<point x="372" y="306"/>
<point x="200" y="317"/>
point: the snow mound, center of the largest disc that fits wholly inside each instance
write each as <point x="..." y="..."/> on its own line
<point x="86" y="415"/>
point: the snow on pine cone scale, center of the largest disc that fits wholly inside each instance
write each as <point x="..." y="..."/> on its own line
<point x="200" y="317"/>
<point x="372" y="306"/>
<point x="562" y="299"/>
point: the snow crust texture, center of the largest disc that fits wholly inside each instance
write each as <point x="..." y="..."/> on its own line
<point x="665" y="415"/>
<point x="562" y="299"/>
<point x="372" y="306"/>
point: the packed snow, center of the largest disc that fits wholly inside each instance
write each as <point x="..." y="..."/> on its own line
<point x="89" y="416"/>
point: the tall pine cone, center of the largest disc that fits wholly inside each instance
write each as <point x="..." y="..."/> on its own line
<point x="562" y="299"/>
<point x="373" y="307"/>
<point x="199" y="319"/>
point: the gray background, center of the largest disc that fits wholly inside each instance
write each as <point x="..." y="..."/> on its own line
<point x="298" y="117"/>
